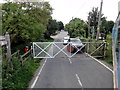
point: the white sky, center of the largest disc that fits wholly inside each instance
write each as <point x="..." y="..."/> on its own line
<point x="64" y="10"/>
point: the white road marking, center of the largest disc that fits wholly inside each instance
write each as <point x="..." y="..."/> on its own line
<point x="70" y="60"/>
<point x="32" y="86"/>
<point x="100" y="62"/>
<point x="79" y="81"/>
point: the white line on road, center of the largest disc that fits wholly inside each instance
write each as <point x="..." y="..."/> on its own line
<point x="100" y="62"/>
<point x="32" y="86"/>
<point x="70" y="60"/>
<point x="79" y="81"/>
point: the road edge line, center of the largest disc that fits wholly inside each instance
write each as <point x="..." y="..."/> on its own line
<point x="100" y="62"/>
<point x="36" y="78"/>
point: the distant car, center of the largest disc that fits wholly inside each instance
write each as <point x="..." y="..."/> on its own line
<point x="101" y="36"/>
<point x="76" y="44"/>
<point x="66" y="40"/>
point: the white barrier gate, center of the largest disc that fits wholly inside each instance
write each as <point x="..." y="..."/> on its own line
<point x="55" y="49"/>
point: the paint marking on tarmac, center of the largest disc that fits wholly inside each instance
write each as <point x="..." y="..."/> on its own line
<point x="32" y="86"/>
<point x="79" y="81"/>
<point x="70" y="60"/>
<point x="100" y="63"/>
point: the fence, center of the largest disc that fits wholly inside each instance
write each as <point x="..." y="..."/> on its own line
<point x="5" y="41"/>
<point x="15" y="53"/>
<point x="16" y="59"/>
<point x="96" y="49"/>
<point x="25" y="56"/>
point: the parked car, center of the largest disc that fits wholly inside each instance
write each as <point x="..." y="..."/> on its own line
<point x="76" y="44"/>
<point x="101" y="36"/>
<point x="66" y="40"/>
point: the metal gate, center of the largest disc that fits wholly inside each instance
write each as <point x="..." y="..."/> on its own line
<point x="57" y="49"/>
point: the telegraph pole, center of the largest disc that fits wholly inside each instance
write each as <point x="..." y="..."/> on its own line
<point x="88" y="32"/>
<point x="99" y="22"/>
<point x="89" y="25"/>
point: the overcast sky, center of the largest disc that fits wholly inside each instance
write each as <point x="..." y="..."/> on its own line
<point x="64" y="10"/>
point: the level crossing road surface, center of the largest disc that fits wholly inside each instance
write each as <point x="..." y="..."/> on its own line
<point x="82" y="72"/>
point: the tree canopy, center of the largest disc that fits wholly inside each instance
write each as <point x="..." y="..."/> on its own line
<point x="105" y="26"/>
<point x="52" y="27"/>
<point x="25" y="21"/>
<point x="60" y="25"/>
<point x="76" y="27"/>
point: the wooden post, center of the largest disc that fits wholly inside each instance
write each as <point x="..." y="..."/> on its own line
<point x="21" y="61"/>
<point x="8" y="46"/>
<point x="88" y="46"/>
<point x="31" y="51"/>
<point x="104" y="49"/>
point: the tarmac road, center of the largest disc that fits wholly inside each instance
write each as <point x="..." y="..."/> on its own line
<point x="82" y="72"/>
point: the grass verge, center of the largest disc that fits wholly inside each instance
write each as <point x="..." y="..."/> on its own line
<point x="19" y="76"/>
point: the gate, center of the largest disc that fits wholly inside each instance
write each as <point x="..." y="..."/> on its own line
<point x="96" y="49"/>
<point x="58" y="50"/>
<point x="55" y="49"/>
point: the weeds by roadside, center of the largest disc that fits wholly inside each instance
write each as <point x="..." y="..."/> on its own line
<point x="19" y="76"/>
<point x="108" y="57"/>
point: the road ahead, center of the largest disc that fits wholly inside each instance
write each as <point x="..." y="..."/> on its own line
<point x="83" y="72"/>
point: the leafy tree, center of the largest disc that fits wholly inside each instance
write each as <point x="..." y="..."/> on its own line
<point x="106" y="26"/>
<point x="52" y="27"/>
<point x="110" y="26"/>
<point x="76" y="27"/>
<point x="94" y="15"/>
<point x="25" y="22"/>
<point x="60" y="25"/>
